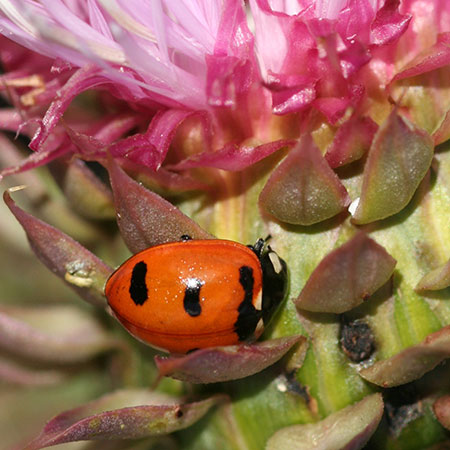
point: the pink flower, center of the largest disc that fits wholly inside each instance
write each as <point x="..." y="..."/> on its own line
<point x="164" y="62"/>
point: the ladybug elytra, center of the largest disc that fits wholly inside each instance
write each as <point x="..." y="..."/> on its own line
<point x="193" y="294"/>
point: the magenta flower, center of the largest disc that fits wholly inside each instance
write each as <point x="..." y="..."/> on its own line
<point x="324" y="124"/>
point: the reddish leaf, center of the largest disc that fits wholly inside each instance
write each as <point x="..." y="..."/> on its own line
<point x="438" y="278"/>
<point x="78" y="267"/>
<point x="347" y="429"/>
<point x="127" y="414"/>
<point x="411" y="363"/>
<point x="347" y="276"/>
<point x="213" y="365"/>
<point x="303" y="189"/>
<point x="398" y="160"/>
<point x="441" y="408"/>
<point x="85" y="192"/>
<point x="146" y="219"/>
<point x="16" y="374"/>
<point x="351" y="141"/>
<point x="56" y="334"/>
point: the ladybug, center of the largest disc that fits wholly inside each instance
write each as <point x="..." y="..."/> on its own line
<point x="182" y="296"/>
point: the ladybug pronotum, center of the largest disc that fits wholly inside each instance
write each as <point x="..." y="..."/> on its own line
<point x="193" y="294"/>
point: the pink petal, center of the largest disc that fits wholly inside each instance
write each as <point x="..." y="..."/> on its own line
<point x="432" y="58"/>
<point x="332" y="108"/>
<point x="150" y="149"/>
<point x="232" y="157"/>
<point x="214" y="365"/>
<point x="80" y="81"/>
<point x="389" y="24"/>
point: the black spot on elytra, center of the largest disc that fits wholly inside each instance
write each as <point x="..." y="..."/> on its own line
<point x="248" y="315"/>
<point x="138" y="287"/>
<point x="191" y="300"/>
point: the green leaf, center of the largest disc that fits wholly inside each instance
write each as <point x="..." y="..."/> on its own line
<point x="347" y="429"/>
<point x="303" y="189"/>
<point x="399" y="158"/>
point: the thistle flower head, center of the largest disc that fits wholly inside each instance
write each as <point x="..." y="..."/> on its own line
<point x="323" y="124"/>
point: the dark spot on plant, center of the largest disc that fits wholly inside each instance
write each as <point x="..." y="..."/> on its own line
<point x="179" y="413"/>
<point x="402" y="406"/>
<point x="357" y="340"/>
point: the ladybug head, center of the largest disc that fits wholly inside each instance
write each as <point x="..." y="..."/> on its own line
<point x="274" y="271"/>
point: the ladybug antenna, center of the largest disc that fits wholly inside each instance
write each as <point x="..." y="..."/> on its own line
<point x="259" y="245"/>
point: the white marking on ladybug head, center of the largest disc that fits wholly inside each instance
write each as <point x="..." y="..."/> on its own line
<point x="276" y="263"/>
<point x="258" y="301"/>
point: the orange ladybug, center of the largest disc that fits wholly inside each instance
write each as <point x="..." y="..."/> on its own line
<point x="193" y="294"/>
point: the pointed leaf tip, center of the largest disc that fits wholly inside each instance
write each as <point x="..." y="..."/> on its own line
<point x="145" y="219"/>
<point x="303" y="189"/>
<point x="441" y="408"/>
<point x="126" y="414"/>
<point x="411" y="363"/>
<point x="53" y="334"/>
<point x="347" y="276"/>
<point x="437" y="279"/>
<point x="347" y="429"/>
<point x="399" y="158"/>
<point x="213" y="365"/>
<point x="69" y="260"/>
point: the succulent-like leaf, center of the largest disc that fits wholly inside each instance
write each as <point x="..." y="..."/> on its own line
<point x="351" y="141"/>
<point x="15" y="374"/>
<point x="213" y="365"/>
<point x="126" y="414"/>
<point x="398" y="160"/>
<point x="85" y="192"/>
<point x="347" y="276"/>
<point x="441" y="408"/>
<point x="146" y="219"/>
<point x="303" y="190"/>
<point x="57" y="334"/>
<point x="77" y="266"/>
<point x="411" y="363"/>
<point x="349" y="428"/>
<point x="438" y="278"/>
<point x="442" y="133"/>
